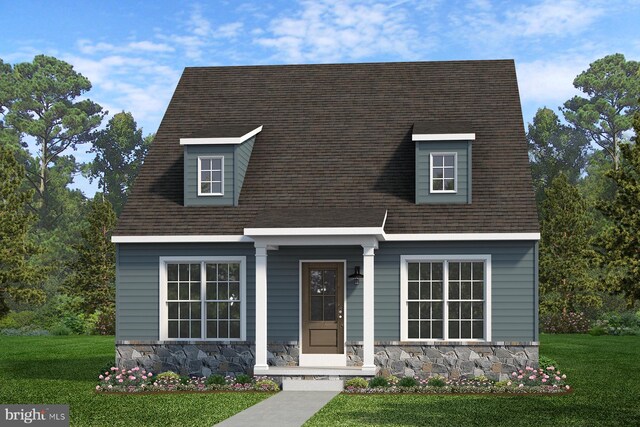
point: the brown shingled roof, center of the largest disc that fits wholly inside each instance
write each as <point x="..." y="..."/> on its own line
<point x="339" y="136"/>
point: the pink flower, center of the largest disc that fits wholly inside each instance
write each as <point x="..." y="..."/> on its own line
<point x="131" y="377"/>
<point x="120" y="380"/>
<point x="513" y="374"/>
<point x="144" y="377"/>
<point x="532" y="377"/>
<point x="557" y="378"/>
<point x="106" y="373"/>
<point x="109" y="386"/>
<point x="521" y="385"/>
<point x="149" y="374"/>
<point x="551" y="368"/>
<point x="114" y="369"/>
<point x="101" y="377"/>
<point x="97" y="387"/>
<point x="519" y="377"/>
<point x="567" y="387"/>
<point x="544" y="380"/>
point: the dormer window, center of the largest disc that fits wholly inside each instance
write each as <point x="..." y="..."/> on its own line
<point x="210" y="176"/>
<point x="444" y="172"/>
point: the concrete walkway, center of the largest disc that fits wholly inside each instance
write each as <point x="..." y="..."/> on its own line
<point x="285" y="409"/>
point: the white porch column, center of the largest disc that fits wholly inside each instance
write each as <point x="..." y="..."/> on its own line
<point x="261" y="309"/>
<point x="368" y="309"/>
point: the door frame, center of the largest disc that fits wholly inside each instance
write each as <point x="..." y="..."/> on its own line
<point x="322" y="359"/>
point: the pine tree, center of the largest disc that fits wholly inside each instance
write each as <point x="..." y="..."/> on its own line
<point x="621" y="242"/>
<point x="566" y="254"/>
<point x="19" y="278"/>
<point x="93" y="271"/>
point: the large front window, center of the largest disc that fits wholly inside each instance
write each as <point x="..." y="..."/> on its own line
<point x="203" y="300"/>
<point x="445" y="299"/>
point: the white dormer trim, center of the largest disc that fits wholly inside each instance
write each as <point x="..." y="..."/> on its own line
<point x="443" y="137"/>
<point x="222" y="140"/>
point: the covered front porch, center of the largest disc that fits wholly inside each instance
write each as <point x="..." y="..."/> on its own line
<point x="305" y="297"/>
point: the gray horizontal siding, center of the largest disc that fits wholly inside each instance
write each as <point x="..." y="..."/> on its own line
<point x="242" y="155"/>
<point x="138" y="282"/>
<point x="513" y="285"/>
<point x="283" y="292"/>
<point x="423" y="171"/>
<point x="191" y="153"/>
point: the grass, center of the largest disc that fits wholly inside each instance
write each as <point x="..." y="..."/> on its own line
<point x="604" y="372"/>
<point x="63" y="370"/>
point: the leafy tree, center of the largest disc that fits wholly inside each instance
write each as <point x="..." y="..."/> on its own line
<point x="621" y="242"/>
<point x="18" y="276"/>
<point x="613" y="85"/>
<point x="93" y="271"/>
<point x="120" y="150"/>
<point x="566" y="254"/>
<point x="554" y="148"/>
<point x="43" y="105"/>
<point x="8" y="136"/>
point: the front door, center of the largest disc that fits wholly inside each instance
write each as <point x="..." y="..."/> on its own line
<point x="322" y="308"/>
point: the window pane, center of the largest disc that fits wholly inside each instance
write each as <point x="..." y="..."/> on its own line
<point x="478" y="271"/>
<point x="437" y="174"/>
<point x="223" y="272"/>
<point x="436" y="271"/>
<point x="465" y="268"/>
<point x="184" y="310"/>
<point x="173" y="310"/>
<point x="212" y="272"/>
<point x="436" y="290"/>
<point x="465" y="310"/>
<point x="448" y="173"/>
<point x="205" y="176"/>
<point x="223" y="329"/>
<point x="205" y="187"/>
<point x="205" y="164"/>
<point x="195" y="273"/>
<point x="216" y="176"/>
<point x="425" y="329"/>
<point x="414" y="310"/>
<point x="414" y="271"/>
<point x="454" y="270"/>
<point x="465" y="290"/>
<point x="195" y="329"/>
<point x="414" y="290"/>
<point x="330" y="282"/>
<point x="212" y="291"/>
<point x="172" y="272"/>
<point x="477" y="310"/>
<point x="234" y="291"/>
<point x="454" y="332"/>
<point x="438" y="160"/>
<point x="436" y="328"/>
<point x="425" y="310"/>
<point x="478" y="290"/>
<point x="216" y="164"/>
<point x="449" y="160"/>
<point x="414" y="329"/>
<point x="454" y="310"/>
<point x="183" y="272"/>
<point x="223" y="291"/>
<point x="216" y="187"/>
<point x="172" y="291"/>
<point x="425" y="290"/>
<point x="425" y="271"/>
<point x="454" y="290"/>
<point x="234" y="310"/>
<point x="438" y="185"/>
<point x="184" y="329"/>
<point x="195" y="310"/>
<point x="465" y="330"/>
<point x="478" y="330"/>
<point x="184" y="291"/>
<point x="449" y="184"/>
<point x="212" y="310"/>
<point x="329" y="308"/>
<point x="173" y="329"/>
<point x="234" y="272"/>
<point x="212" y="329"/>
<point x="195" y="291"/>
<point x="436" y="310"/>
<point x="316" y="308"/>
<point x="234" y="329"/>
<point x="223" y="310"/>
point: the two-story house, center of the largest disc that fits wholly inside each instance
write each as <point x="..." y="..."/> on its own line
<point x="344" y="219"/>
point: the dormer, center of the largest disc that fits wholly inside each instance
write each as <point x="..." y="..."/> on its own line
<point x="443" y="161"/>
<point x="215" y="163"/>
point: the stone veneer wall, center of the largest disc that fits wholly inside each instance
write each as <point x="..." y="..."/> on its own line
<point x="495" y="360"/>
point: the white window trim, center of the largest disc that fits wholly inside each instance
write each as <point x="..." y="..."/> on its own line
<point x="455" y="172"/>
<point x="163" y="319"/>
<point x="404" y="285"/>
<point x="200" y="193"/>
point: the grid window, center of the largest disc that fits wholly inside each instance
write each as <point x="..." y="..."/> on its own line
<point x="210" y="179"/>
<point x="183" y="300"/>
<point x="425" y="300"/>
<point x="466" y="300"/>
<point x="223" y="300"/>
<point x="443" y="172"/>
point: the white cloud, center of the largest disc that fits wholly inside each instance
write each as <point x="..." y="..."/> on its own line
<point x="230" y="30"/>
<point x="553" y="17"/>
<point x="549" y="82"/>
<point x="331" y="30"/>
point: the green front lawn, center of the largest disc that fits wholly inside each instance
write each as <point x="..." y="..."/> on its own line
<point x="64" y="370"/>
<point x="604" y="372"/>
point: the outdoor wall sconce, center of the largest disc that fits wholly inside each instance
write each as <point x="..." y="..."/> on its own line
<point x="356" y="276"/>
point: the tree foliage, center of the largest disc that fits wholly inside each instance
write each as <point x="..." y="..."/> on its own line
<point x="120" y="150"/>
<point x="566" y="253"/>
<point x="93" y="271"/>
<point x="43" y="104"/>
<point x="554" y="148"/>
<point x="612" y="85"/>
<point x="621" y="242"/>
<point x="19" y="278"/>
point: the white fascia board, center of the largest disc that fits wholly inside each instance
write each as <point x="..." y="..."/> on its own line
<point x="182" y="239"/>
<point x="315" y="231"/>
<point x="443" y="237"/>
<point x="218" y="141"/>
<point x="443" y="136"/>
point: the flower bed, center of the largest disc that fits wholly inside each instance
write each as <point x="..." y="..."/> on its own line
<point x="547" y="380"/>
<point x="138" y="380"/>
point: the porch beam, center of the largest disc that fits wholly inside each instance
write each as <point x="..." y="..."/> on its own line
<point x="368" y="309"/>
<point x="261" y="310"/>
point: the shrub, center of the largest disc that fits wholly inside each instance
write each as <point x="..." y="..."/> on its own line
<point x="625" y="323"/>
<point x="437" y="382"/>
<point x="356" y="383"/>
<point x="23" y="332"/>
<point x="597" y="330"/>
<point x="216" y="380"/>
<point x="244" y="379"/>
<point x="123" y="378"/>
<point x="168" y="375"/>
<point x="60" y="329"/>
<point x="265" y="384"/>
<point x="18" y="320"/>
<point x="548" y="376"/>
<point x="565" y="323"/>
<point x="407" y="382"/>
<point x="105" y="323"/>
<point x="545" y="362"/>
<point x="378" y="382"/>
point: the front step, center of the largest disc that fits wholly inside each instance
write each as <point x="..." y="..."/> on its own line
<point x="312" y="385"/>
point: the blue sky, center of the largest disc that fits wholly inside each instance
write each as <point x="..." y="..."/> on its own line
<point x="134" y="52"/>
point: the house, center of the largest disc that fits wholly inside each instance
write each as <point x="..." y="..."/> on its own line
<point x="341" y="219"/>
